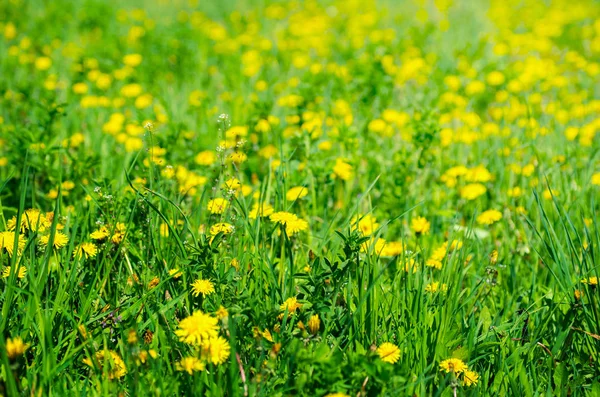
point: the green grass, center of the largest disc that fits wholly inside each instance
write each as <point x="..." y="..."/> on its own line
<point x="384" y="112"/>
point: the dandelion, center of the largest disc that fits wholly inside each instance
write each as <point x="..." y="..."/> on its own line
<point x="110" y="359"/>
<point x="15" y="347"/>
<point x="470" y="378"/>
<point x="100" y="234"/>
<point x="420" y="225"/>
<point x="260" y="210"/>
<point x="342" y="170"/>
<point x="197" y="328"/>
<point x="291" y="305"/>
<point x="489" y="217"/>
<point x="7" y="241"/>
<point x="590" y="281"/>
<point x="217" y="205"/>
<point x="87" y="250"/>
<point x="366" y="224"/>
<point x="314" y="323"/>
<point x="472" y="191"/>
<point x="388" y="352"/>
<point x="222" y="227"/>
<point x="216" y="350"/>
<point x="296" y="193"/>
<point x="190" y="365"/>
<point x="60" y="240"/>
<point x="22" y="272"/>
<point x="455" y="365"/>
<point x="204" y="287"/>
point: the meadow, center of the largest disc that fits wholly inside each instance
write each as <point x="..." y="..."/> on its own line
<point x="338" y="198"/>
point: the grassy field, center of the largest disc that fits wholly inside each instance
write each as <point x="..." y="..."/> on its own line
<point x="312" y="198"/>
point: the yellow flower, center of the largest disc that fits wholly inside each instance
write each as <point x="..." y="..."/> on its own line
<point x="261" y="210"/>
<point x="291" y="305"/>
<point x="314" y="323"/>
<point x="470" y="378"/>
<point x="216" y="350"/>
<point x="222" y="227"/>
<point x="420" y="225"/>
<point x="489" y="217"/>
<point x="217" y="205"/>
<point x="389" y="352"/>
<point x="21" y="274"/>
<point x="204" y="287"/>
<point x="596" y="179"/>
<point x="295" y="226"/>
<point x="366" y="224"/>
<point x="435" y="287"/>
<point x="206" y="157"/>
<point x="296" y="193"/>
<point x="132" y="60"/>
<point x="15" y="347"/>
<point x="453" y="365"/>
<point x="60" y="240"/>
<point x="190" y="365"/>
<point x="590" y="280"/>
<point x="116" y="365"/>
<point x="7" y="241"/>
<point x="472" y="191"/>
<point x="342" y="170"/>
<point x="337" y="395"/>
<point x="87" y="250"/>
<point x="197" y="328"/>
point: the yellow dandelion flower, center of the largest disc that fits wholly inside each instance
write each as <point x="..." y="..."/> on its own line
<point x="87" y="250"/>
<point x="21" y="273"/>
<point x="109" y="358"/>
<point x="197" y="328"/>
<point x="216" y="350"/>
<point x="204" y="287"/>
<point x="60" y="240"/>
<point x="470" y="378"/>
<point x="217" y="205"/>
<point x="296" y="193"/>
<point x="420" y="225"/>
<point x="190" y="365"/>
<point x="389" y="352"/>
<point x="15" y="347"/>
<point x="489" y="217"/>
<point x="453" y="365"/>
<point x="291" y="305"/>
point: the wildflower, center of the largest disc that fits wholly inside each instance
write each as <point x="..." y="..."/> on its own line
<point x="453" y="365"/>
<point x="295" y="226"/>
<point x="216" y="350"/>
<point x="222" y="227"/>
<point x="435" y="287"/>
<point x="296" y="193"/>
<point x="388" y="352"/>
<point x="190" y="365"/>
<point x="116" y="365"/>
<point x="87" y="250"/>
<point x="15" y="347"/>
<point x="197" y="328"/>
<point x="366" y="224"/>
<point x="154" y="282"/>
<point x="489" y="217"/>
<point x="204" y="287"/>
<point x="175" y="273"/>
<point x="342" y="170"/>
<point x="60" y="240"/>
<point x="472" y="191"/>
<point x="470" y="378"/>
<point x="291" y="305"/>
<point x="420" y="225"/>
<point x="7" y="241"/>
<point x="217" y="205"/>
<point x="22" y="272"/>
<point x="221" y="313"/>
<point x="119" y="233"/>
<point x="261" y="210"/>
<point x="100" y="234"/>
<point x="206" y="157"/>
<point x="590" y="281"/>
<point x="314" y="323"/>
